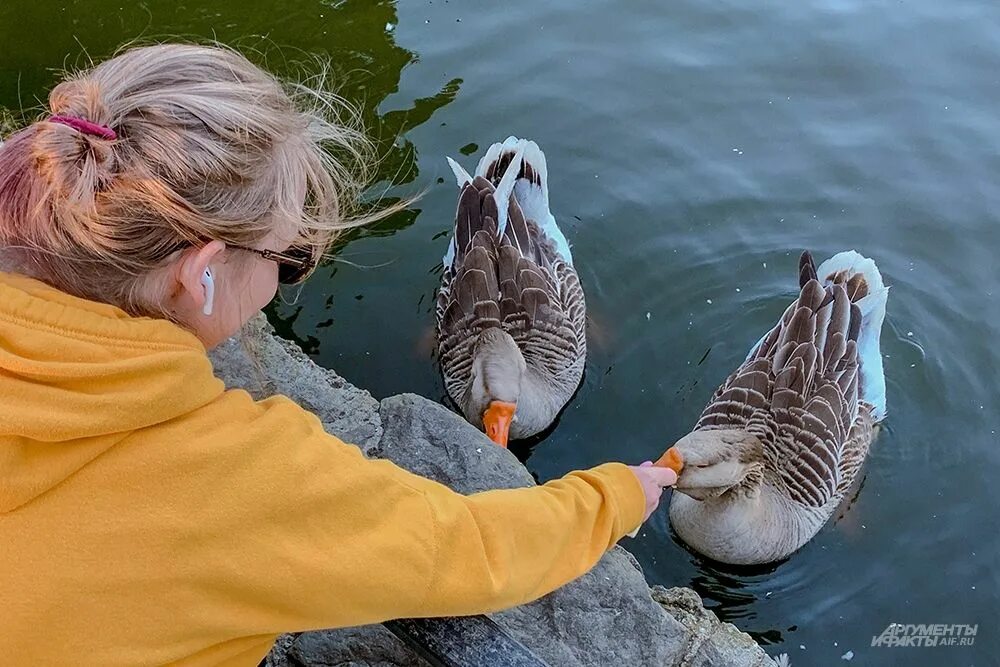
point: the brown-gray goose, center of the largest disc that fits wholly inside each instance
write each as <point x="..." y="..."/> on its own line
<point x="510" y="311"/>
<point x="785" y="435"/>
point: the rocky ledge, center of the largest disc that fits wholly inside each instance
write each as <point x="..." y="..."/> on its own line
<point x="609" y="616"/>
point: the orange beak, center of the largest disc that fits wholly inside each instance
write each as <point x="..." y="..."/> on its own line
<point x="672" y="459"/>
<point x="497" y="419"/>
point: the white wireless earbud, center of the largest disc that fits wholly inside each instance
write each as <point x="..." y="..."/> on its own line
<point x="209" y="283"/>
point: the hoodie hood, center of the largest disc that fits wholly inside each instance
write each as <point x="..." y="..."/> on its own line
<point x="77" y="377"/>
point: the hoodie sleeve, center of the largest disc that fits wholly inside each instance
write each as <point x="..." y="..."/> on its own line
<point x="499" y="549"/>
<point x="312" y="534"/>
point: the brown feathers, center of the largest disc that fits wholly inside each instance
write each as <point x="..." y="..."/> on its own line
<point x="798" y="391"/>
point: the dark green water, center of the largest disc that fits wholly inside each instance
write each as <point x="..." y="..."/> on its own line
<point x="694" y="149"/>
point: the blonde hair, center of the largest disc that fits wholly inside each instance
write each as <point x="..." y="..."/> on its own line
<point x="208" y="147"/>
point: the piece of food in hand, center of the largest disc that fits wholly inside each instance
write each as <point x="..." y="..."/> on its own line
<point x="672" y="459"/>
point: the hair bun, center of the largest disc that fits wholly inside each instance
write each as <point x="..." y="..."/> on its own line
<point x="76" y="163"/>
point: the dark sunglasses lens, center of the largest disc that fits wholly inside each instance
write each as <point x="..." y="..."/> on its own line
<point x="289" y="274"/>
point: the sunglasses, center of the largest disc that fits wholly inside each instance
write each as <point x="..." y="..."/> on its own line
<point x="293" y="265"/>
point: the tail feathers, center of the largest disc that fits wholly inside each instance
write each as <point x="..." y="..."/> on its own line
<point x="532" y="193"/>
<point x="518" y="166"/>
<point x="494" y="163"/>
<point x="501" y="162"/>
<point x="505" y="188"/>
<point x="861" y="276"/>
<point x="531" y="189"/>
<point x="868" y="292"/>
<point x="469" y="211"/>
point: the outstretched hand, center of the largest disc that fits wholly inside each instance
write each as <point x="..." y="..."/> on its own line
<point x="653" y="480"/>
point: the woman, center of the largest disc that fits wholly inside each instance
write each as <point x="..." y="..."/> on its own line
<point x="149" y="516"/>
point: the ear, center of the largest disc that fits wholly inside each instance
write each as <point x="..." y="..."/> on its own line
<point x="192" y="267"/>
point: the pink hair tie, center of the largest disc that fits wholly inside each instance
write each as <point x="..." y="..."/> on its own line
<point x="85" y="126"/>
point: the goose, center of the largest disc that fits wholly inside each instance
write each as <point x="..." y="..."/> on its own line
<point x="510" y="311"/>
<point x="785" y="436"/>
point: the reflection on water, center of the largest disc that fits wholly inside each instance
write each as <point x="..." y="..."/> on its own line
<point x="355" y="38"/>
<point x="731" y="591"/>
<point x="369" y="65"/>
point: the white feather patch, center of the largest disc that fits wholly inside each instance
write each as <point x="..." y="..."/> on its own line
<point x="449" y="257"/>
<point x="505" y="188"/>
<point x="461" y="175"/>
<point x="872" y="307"/>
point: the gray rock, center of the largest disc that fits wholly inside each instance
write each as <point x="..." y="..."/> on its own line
<point x="368" y="646"/>
<point x="278" y="657"/>
<point x="711" y="643"/>
<point x="263" y="364"/>
<point x="432" y="441"/>
<point x="606" y="617"/>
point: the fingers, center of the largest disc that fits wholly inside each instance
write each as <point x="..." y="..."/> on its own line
<point x="653" y="480"/>
<point x="662" y="476"/>
<point x="655" y="475"/>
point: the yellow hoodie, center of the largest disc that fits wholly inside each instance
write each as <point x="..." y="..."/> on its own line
<point x="148" y="516"/>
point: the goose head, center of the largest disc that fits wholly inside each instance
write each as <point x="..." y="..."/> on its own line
<point x="718" y="461"/>
<point x="497" y="373"/>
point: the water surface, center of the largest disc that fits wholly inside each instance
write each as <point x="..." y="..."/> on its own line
<point x="694" y="149"/>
